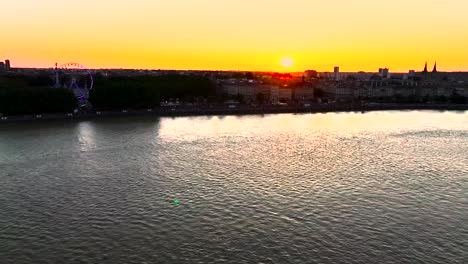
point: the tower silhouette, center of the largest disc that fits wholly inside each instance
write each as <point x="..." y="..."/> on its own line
<point x="425" y="68"/>
<point x="434" y="70"/>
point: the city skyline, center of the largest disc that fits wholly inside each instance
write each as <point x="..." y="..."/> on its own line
<point x="255" y="36"/>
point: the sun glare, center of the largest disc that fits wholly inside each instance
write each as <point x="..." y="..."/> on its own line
<point x="287" y="62"/>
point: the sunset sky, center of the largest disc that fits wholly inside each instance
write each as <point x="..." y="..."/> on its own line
<point x="250" y="35"/>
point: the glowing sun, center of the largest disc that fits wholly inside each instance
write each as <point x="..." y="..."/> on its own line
<point x="287" y="62"/>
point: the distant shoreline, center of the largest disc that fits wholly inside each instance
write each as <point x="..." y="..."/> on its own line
<point x="239" y="110"/>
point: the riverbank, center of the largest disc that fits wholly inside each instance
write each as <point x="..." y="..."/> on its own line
<point x="238" y="110"/>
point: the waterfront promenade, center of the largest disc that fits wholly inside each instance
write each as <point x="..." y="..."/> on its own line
<point x="238" y="110"/>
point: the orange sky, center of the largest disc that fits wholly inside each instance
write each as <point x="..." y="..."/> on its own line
<point x="236" y="34"/>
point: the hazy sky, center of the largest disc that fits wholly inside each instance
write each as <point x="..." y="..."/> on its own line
<point x="236" y="34"/>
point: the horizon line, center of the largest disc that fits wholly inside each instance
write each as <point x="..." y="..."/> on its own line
<point x="259" y="71"/>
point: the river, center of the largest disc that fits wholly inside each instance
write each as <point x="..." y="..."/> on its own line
<point x="378" y="187"/>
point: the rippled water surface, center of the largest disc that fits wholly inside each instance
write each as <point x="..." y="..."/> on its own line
<point x="380" y="187"/>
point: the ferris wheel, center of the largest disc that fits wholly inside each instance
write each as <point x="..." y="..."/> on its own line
<point x="76" y="77"/>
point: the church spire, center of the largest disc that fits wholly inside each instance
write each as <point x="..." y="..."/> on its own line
<point x="425" y="67"/>
<point x="435" y="68"/>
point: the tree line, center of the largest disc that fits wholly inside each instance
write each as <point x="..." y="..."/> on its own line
<point x="34" y="94"/>
<point x="21" y="94"/>
<point x="137" y="92"/>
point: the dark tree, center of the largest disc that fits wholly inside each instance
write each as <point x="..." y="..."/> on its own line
<point x="260" y="98"/>
<point x="239" y="98"/>
<point x="318" y="93"/>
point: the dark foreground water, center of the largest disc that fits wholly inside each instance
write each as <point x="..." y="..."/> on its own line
<point x="381" y="187"/>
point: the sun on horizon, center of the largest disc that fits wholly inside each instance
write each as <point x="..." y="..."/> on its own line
<point x="287" y="62"/>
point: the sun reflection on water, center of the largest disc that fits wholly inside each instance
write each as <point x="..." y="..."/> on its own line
<point x="341" y="124"/>
<point x="86" y="136"/>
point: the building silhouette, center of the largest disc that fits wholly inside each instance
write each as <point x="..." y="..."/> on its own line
<point x="383" y="72"/>
<point x="336" y="72"/>
<point x="7" y="65"/>
<point x="430" y="75"/>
